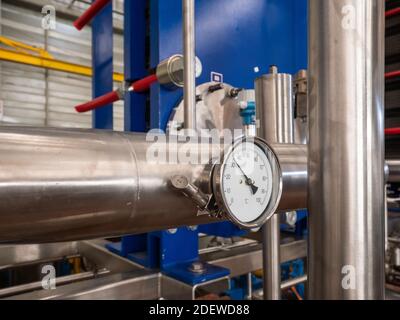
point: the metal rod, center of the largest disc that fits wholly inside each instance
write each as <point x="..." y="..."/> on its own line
<point x="284" y="285"/>
<point x="38" y="285"/>
<point x="346" y="150"/>
<point x="274" y="99"/>
<point x="271" y="259"/>
<point x="293" y="282"/>
<point x="394" y="240"/>
<point x="249" y="286"/>
<point x="189" y="55"/>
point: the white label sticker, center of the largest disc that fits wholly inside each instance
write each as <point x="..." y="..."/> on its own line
<point x="217" y="77"/>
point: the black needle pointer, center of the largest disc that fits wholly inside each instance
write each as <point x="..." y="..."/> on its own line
<point x="249" y="181"/>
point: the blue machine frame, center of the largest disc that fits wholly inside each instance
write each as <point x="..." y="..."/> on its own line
<point x="237" y="40"/>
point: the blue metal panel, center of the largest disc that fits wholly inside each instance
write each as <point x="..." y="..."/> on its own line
<point x="102" y="55"/>
<point x="161" y="249"/>
<point x="135" y="63"/>
<point x="233" y="37"/>
<point x="300" y="35"/>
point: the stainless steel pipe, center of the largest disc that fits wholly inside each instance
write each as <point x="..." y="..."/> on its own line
<point x="64" y="185"/>
<point x="394" y="171"/>
<point x="294" y="161"/>
<point x="274" y="100"/>
<point x="61" y="185"/>
<point x="189" y="56"/>
<point x="275" y="110"/>
<point x="346" y="149"/>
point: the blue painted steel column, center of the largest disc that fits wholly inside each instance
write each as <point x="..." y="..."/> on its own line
<point x="135" y="63"/>
<point x="102" y="61"/>
<point x="142" y="249"/>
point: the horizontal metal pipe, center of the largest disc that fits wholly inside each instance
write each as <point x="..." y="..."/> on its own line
<point x="38" y="285"/>
<point x="64" y="185"/>
<point x="293" y="282"/>
<point x="285" y="285"/>
<point x="293" y="160"/>
<point x="394" y="171"/>
<point x="61" y="185"/>
<point x="394" y="240"/>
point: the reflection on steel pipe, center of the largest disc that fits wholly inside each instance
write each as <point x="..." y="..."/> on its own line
<point x="346" y="149"/>
<point x="189" y="56"/>
<point x="274" y="99"/>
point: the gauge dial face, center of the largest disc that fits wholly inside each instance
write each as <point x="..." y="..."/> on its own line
<point x="246" y="182"/>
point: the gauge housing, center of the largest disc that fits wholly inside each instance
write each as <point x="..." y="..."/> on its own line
<point x="275" y="197"/>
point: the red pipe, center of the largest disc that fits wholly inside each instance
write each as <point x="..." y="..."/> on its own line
<point x="114" y="96"/>
<point x="88" y="15"/>
<point x="392" y="132"/>
<point x="393" y="74"/>
<point x="392" y="13"/>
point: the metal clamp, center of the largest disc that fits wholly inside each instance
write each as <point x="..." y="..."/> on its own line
<point x="182" y="184"/>
<point x="205" y="202"/>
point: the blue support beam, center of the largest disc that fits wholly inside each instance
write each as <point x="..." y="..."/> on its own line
<point x="139" y="248"/>
<point x="135" y="63"/>
<point x="102" y="55"/>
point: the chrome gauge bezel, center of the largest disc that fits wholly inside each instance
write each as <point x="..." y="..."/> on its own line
<point x="276" y="195"/>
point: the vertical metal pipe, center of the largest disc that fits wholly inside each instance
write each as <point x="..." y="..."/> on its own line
<point x="189" y="56"/>
<point x="249" y="286"/>
<point x="274" y="100"/>
<point x="271" y="258"/>
<point x="346" y="149"/>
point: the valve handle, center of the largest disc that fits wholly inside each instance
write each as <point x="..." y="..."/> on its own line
<point x="99" y="102"/>
<point x="88" y="15"/>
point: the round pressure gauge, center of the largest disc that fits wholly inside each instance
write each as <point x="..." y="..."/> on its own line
<point x="248" y="183"/>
